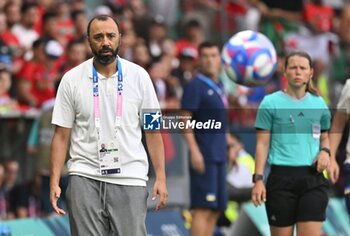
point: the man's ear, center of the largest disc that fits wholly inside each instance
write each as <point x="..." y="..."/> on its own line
<point x="120" y="40"/>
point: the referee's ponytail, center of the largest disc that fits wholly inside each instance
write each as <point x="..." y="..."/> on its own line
<point x="311" y="88"/>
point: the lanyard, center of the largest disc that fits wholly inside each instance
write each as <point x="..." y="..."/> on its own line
<point x="96" y="95"/>
<point x="213" y="85"/>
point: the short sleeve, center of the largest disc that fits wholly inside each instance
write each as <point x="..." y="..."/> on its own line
<point x="326" y="117"/>
<point x="264" y="115"/>
<point x="344" y="99"/>
<point x="63" y="112"/>
<point x="149" y="100"/>
<point x="191" y="96"/>
<point x="27" y="72"/>
<point x="326" y="120"/>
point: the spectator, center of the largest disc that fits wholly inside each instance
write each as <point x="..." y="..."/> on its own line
<point x="25" y="199"/>
<point x="2" y="5"/>
<point x="23" y="78"/>
<point x="340" y="69"/>
<point x="187" y="65"/>
<point x="279" y="18"/>
<point x="13" y="13"/>
<point x="75" y="54"/>
<point x="50" y="27"/>
<point x="204" y="12"/>
<point x="157" y="33"/>
<point x="5" y="55"/>
<point x="128" y="40"/>
<point x="43" y="7"/>
<point x="3" y="199"/>
<point x="138" y="8"/>
<point x="103" y="10"/>
<point x="65" y="23"/>
<point x="80" y="24"/>
<point x="77" y="5"/>
<point x="321" y="79"/>
<point x="318" y="16"/>
<point x="36" y="81"/>
<point x="141" y="54"/>
<point x="10" y="180"/>
<point x="24" y="30"/>
<point x="238" y="179"/>
<point x="15" y="51"/>
<point x="7" y="104"/>
<point x="344" y="24"/>
<point x="193" y="36"/>
<point x="164" y="85"/>
<point x="168" y="9"/>
<point x="11" y="173"/>
<point x="240" y="169"/>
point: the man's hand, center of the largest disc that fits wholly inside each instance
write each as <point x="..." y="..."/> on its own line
<point x="55" y="193"/>
<point x="333" y="171"/>
<point x="197" y="161"/>
<point x="159" y="188"/>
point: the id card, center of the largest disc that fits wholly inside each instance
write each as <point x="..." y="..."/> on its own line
<point x="316" y="131"/>
<point x="109" y="157"/>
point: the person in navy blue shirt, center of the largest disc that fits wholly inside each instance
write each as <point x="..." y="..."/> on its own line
<point x="204" y="105"/>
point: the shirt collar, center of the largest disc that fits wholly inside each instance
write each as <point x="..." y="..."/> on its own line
<point x="100" y="76"/>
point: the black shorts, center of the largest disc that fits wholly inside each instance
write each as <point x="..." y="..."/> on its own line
<point x="295" y="194"/>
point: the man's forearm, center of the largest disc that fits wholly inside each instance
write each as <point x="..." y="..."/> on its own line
<point x="336" y="132"/>
<point x="190" y="139"/>
<point x="156" y="150"/>
<point x="59" y="148"/>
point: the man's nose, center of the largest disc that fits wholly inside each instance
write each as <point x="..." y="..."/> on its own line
<point x="105" y="40"/>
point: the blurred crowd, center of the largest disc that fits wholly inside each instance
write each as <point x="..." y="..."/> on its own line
<point x="42" y="39"/>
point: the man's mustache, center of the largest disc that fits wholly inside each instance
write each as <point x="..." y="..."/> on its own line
<point x="105" y="49"/>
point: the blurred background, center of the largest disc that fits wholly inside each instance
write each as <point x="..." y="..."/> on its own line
<point x="42" y="39"/>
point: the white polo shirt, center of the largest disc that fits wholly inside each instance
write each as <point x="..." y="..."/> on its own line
<point x="74" y="109"/>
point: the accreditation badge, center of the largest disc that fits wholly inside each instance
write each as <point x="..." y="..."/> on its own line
<point x="109" y="158"/>
<point x="316" y="131"/>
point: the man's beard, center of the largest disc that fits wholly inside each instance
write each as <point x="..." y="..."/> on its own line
<point x="105" y="59"/>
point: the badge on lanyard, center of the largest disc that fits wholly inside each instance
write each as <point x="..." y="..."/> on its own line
<point x="316" y="131"/>
<point x="109" y="157"/>
<point x="108" y="150"/>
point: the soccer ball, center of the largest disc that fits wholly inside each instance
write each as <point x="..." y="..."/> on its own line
<point x="249" y="58"/>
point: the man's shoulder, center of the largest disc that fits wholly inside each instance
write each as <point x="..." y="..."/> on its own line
<point x="79" y="69"/>
<point x="130" y="66"/>
<point x="194" y="82"/>
<point x="347" y="85"/>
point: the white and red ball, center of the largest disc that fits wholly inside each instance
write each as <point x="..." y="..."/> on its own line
<point x="249" y="58"/>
